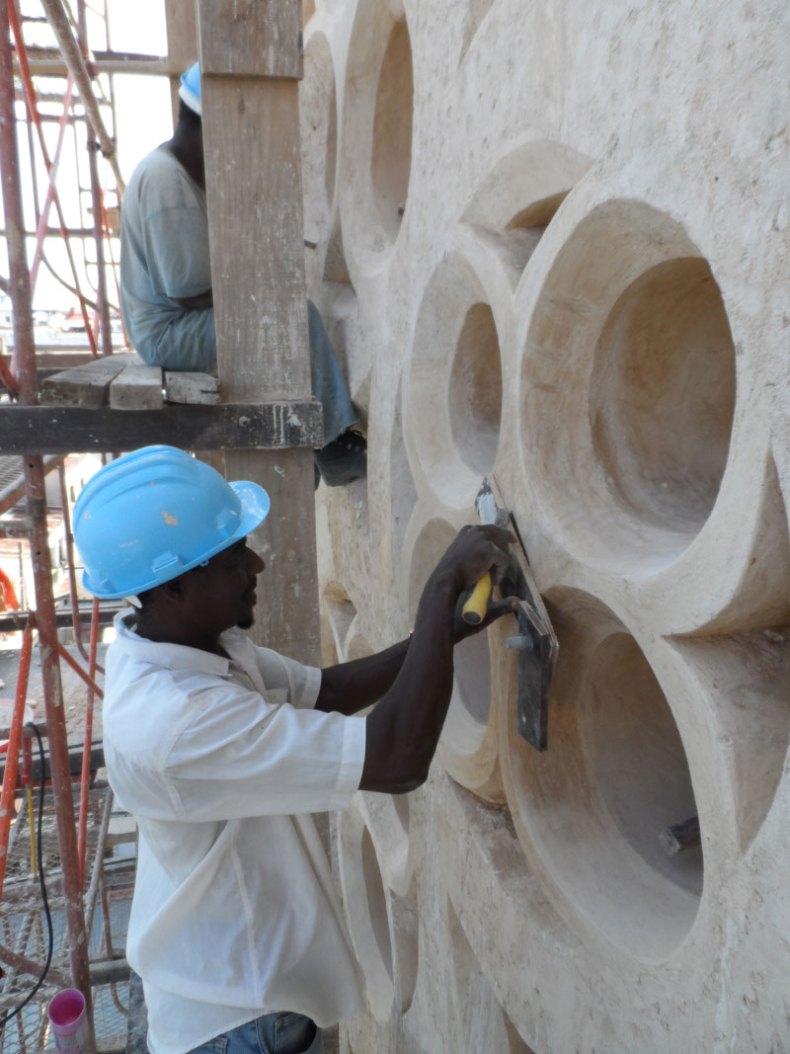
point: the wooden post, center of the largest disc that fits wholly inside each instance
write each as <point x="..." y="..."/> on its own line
<point x="182" y="46"/>
<point x="251" y="59"/>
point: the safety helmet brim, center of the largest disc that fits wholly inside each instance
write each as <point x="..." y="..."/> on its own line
<point x="122" y="572"/>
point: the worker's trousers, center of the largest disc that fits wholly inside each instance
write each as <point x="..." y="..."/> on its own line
<point x="329" y="384"/>
<point x="270" y="1034"/>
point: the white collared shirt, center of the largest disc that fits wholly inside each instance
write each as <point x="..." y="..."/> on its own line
<point x="220" y="762"/>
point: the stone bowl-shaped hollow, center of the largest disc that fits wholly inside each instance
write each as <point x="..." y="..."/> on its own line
<point x="454" y="394"/>
<point x="383" y="926"/>
<point x="468" y="747"/>
<point x="615" y="776"/>
<point x="628" y="390"/>
<point x="377" y="121"/>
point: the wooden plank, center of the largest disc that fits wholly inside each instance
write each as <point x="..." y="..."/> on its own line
<point x="251" y="37"/>
<point x="257" y="258"/>
<point x="192" y="388"/>
<point x="57" y="360"/>
<point x="137" y="388"/>
<point x="84" y="386"/>
<point x="70" y="429"/>
<point x="182" y="45"/>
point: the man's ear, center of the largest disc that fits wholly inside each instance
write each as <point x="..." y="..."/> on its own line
<point x="172" y="591"/>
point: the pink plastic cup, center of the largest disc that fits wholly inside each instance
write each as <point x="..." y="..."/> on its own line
<point x="69" y="1021"/>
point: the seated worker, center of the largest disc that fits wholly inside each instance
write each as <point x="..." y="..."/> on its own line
<point x="221" y="749"/>
<point x="166" y="295"/>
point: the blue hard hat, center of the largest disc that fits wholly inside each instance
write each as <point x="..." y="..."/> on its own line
<point x="189" y="92"/>
<point x="151" y="515"/>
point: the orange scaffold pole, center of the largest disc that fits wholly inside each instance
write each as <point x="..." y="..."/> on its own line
<point x="8" y="792"/>
<point x="51" y="168"/>
<point x="46" y="621"/>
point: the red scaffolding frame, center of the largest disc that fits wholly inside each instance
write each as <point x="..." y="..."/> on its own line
<point x="81" y="816"/>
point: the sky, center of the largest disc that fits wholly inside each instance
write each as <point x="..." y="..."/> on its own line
<point x="143" y="103"/>
<point x="143" y="115"/>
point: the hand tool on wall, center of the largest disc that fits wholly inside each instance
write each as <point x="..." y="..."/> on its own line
<point x="536" y="642"/>
<point x="475" y="607"/>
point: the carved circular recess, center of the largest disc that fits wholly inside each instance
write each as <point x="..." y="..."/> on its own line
<point x="747" y="676"/>
<point x="629" y="389"/>
<point x="481" y="1022"/>
<point x="378" y="120"/>
<point x="383" y="926"/>
<point x="391" y="160"/>
<point x="337" y="616"/>
<point x="357" y="645"/>
<point x="388" y="817"/>
<point x="510" y="211"/>
<point x="594" y="807"/>
<point x="403" y="492"/>
<point x="454" y="397"/>
<point x="468" y="747"/>
<point x="318" y="120"/>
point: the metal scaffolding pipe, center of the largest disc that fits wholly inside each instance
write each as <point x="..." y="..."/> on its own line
<point x="60" y="768"/>
<point x="12" y="756"/>
<point x="14" y="492"/>
<point x="59" y="20"/>
<point x="47" y="62"/>
<point x="39" y="542"/>
<point x="35" y="117"/>
<point x="82" y="831"/>
<point x="97" y="204"/>
<point x="19" y="284"/>
<point x="52" y="175"/>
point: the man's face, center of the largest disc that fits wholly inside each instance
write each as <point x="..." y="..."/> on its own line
<point x="225" y="587"/>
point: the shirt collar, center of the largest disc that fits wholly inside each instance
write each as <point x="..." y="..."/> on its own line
<point x="176" y="656"/>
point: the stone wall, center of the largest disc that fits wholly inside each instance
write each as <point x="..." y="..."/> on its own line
<point x="551" y="241"/>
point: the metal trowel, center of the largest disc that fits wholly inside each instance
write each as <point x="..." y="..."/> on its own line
<point x="536" y="642"/>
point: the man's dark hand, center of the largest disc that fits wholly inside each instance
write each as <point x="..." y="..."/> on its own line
<point x="495" y="610"/>
<point x="473" y="552"/>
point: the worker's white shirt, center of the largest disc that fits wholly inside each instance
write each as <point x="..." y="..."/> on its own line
<point x="234" y="912"/>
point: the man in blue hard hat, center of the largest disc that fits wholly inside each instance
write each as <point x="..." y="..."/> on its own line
<point x="166" y="289"/>
<point x="221" y="750"/>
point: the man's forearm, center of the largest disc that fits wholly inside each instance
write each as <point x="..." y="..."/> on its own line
<point x="351" y="686"/>
<point x="196" y="303"/>
<point x="404" y="729"/>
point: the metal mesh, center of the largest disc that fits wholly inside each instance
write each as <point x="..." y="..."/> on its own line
<point x="24" y="937"/>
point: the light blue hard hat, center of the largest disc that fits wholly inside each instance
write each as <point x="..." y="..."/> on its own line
<point x="189" y="92"/>
<point x="151" y="515"/>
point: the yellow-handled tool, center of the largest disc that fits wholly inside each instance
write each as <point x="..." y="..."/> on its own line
<point x="476" y="605"/>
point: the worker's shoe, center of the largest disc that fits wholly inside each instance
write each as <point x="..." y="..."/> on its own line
<point x="343" y="460"/>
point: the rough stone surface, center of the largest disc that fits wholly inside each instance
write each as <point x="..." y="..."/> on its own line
<point x="551" y="242"/>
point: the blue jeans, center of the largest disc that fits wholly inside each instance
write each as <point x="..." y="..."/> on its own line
<point x="329" y="384"/>
<point x="270" y="1034"/>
